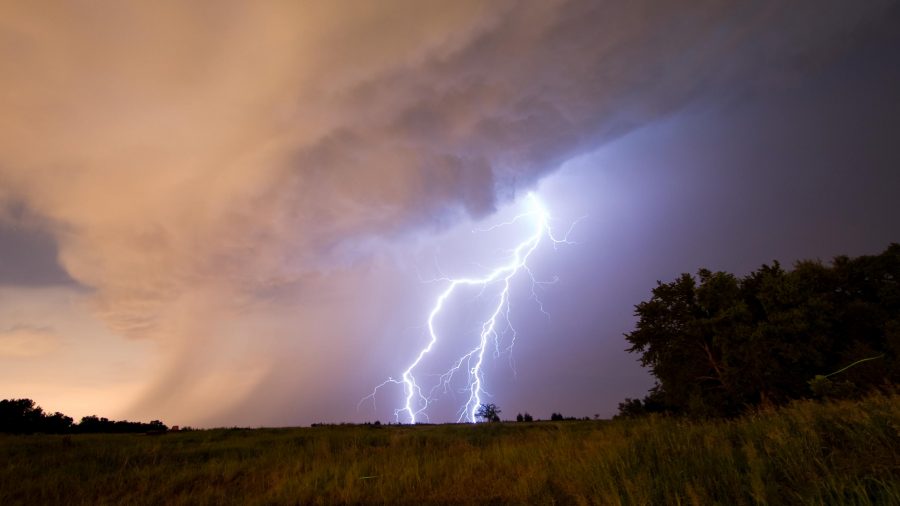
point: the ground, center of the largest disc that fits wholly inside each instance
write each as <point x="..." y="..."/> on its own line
<point x="844" y="452"/>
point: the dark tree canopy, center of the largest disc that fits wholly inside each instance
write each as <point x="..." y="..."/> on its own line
<point x="488" y="412"/>
<point x="23" y="416"/>
<point x="718" y="344"/>
<point x="104" y="425"/>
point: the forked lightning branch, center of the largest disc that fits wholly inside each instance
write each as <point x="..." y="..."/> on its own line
<point x="417" y="396"/>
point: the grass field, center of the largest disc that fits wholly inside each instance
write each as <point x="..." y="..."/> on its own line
<point x="807" y="453"/>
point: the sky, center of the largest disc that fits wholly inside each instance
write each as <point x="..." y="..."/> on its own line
<point x="221" y="214"/>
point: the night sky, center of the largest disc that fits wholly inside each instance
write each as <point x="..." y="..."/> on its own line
<point x="232" y="214"/>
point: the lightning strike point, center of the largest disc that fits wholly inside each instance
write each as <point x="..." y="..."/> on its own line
<point x="416" y="401"/>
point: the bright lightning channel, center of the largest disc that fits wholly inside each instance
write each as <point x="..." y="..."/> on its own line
<point x="416" y="401"/>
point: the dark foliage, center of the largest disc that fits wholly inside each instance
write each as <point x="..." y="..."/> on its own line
<point x="488" y="412"/>
<point x="92" y="424"/>
<point x="631" y="408"/>
<point x="558" y="417"/>
<point x="718" y="344"/>
<point x="22" y="416"/>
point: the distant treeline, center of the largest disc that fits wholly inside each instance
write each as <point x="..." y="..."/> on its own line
<point x="718" y="344"/>
<point x="22" y="416"/>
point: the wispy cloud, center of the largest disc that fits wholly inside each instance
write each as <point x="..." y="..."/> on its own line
<point x="27" y="341"/>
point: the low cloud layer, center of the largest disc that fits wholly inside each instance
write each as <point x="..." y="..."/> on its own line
<point x="221" y="179"/>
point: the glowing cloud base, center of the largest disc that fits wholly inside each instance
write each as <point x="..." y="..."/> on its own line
<point x="416" y="400"/>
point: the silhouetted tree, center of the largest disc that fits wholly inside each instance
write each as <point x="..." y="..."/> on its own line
<point x="488" y="412"/>
<point x="93" y="424"/>
<point x="556" y="417"/>
<point x="718" y="343"/>
<point x="631" y="408"/>
<point x="20" y="416"/>
<point x="57" y="423"/>
<point x="527" y="417"/>
<point x="23" y="416"/>
<point x="520" y="418"/>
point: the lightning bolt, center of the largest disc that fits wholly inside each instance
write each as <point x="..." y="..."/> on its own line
<point x="416" y="401"/>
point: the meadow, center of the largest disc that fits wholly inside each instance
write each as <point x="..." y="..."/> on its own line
<point x="844" y="452"/>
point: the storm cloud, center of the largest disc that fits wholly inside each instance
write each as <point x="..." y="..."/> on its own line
<point x="224" y="180"/>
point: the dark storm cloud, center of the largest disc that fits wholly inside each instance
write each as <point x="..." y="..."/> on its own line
<point x="28" y="251"/>
<point x="802" y="168"/>
<point x="546" y="83"/>
<point x="28" y="257"/>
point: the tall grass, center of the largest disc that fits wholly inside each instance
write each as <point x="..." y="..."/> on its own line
<point x="808" y="453"/>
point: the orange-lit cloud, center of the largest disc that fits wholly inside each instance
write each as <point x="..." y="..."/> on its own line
<point x="26" y="341"/>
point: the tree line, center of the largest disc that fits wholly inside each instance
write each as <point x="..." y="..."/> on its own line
<point x="23" y="416"/>
<point x="719" y="344"/>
